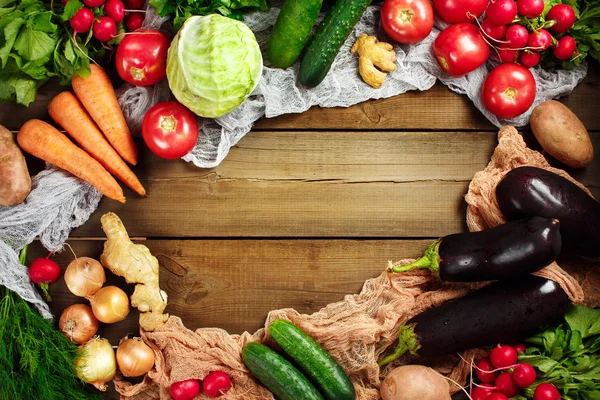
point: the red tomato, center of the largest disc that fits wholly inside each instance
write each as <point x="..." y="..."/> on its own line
<point x="407" y="21"/>
<point x="142" y="57"/>
<point x="509" y="90"/>
<point x="457" y="11"/>
<point x="459" y="49"/>
<point x="170" y="130"/>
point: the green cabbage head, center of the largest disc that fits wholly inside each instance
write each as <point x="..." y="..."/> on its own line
<point x="214" y="63"/>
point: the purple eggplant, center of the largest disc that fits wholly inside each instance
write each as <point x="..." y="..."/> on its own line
<point x="529" y="191"/>
<point x="503" y="252"/>
<point x="502" y="312"/>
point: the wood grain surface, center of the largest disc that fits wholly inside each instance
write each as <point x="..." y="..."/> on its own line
<point x="305" y="208"/>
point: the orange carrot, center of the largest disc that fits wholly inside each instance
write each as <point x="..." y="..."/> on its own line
<point x="69" y="113"/>
<point x="43" y="141"/>
<point x="97" y="95"/>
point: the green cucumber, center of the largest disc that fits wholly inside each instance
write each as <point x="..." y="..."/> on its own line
<point x="278" y="374"/>
<point x="291" y="31"/>
<point x="316" y="363"/>
<point x="329" y="37"/>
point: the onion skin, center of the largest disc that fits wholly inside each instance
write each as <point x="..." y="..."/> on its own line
<point x="110" y="304"/>
<point x="96" y="363"/>
<point x="78" y="323"/>
<point x="134" y="357"/>
<point x="84" y="276"/>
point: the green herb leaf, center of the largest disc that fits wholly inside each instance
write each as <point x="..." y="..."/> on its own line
<point x="7" y="92"/>
<point x="33" y="45"/>
<point x="10" y="35"/>
<point x="25" y="89"/>
<point x="43" y="22"/>
<point x="71" y="9"/>
<point x="585" y="320"/>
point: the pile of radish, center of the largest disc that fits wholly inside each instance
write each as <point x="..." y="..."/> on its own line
<point x="502" y="377"/>
<point x="520" y="33"/>
<point x="105" y="17"/>
<point x="215" y="384"/>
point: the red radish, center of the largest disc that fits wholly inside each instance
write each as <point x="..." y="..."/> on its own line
<point x="517" y="36"/>
<point x="481" y="392"/>
<point x="501" y="12"/>
<point x="185" y="390"/>
<point x="563" y="16"/>
<point x="43" y="272"/>
<point x="216" y="383"/>
<point x="506" y="385"/>
<point x="134" y="21"/>
<point x="539" y="40"/>
<point x="93" y="3"/>
<point x="134" y="4"/>
<point x="115" y="10"/>
<point x="104" y="29"/>
<point x="496" y="396"/>
<point x="507" y="54"/>
<point x="492" y="30"/>
<point x="483" y="367"/>
<point x="546" y="391"/>
<point x="565" y="47"/>
<point x="529" y="60"/>
<point x="520" y="347"/>
<point x="82" y="20"/>
<point x="530" y="8"/>
<point x="503" y="356"/>
<point x="524" y="374"/>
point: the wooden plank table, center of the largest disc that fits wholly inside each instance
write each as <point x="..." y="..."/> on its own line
<point x="305" y="208"/>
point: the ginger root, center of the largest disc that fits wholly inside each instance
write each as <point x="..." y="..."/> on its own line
<point x="374" y="55"/>
<point x="135" y="263"/>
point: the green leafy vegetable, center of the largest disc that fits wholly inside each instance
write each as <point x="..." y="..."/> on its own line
<point x="36" y="359"/>
<point x="36" y="45"/>
<point x="214" y="64"/>
<point x="181" y="10"/>
<point x="568" y="356"/>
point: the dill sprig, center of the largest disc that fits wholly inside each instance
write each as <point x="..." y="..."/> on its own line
<point x="36" y="359"/>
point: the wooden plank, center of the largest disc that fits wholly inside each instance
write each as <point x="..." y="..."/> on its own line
<point x="437" y="108"/>
<point x="233" y="284"/>
<point x="315" y="184"/>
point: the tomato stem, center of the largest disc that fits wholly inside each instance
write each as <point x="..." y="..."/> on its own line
<point x="168" y="123"/>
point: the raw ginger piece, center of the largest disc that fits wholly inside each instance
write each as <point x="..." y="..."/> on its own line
<point x="135" y="263"/>
<point x="374" y="57"/>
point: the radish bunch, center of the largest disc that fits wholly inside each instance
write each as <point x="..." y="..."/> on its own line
<point x="104" y="17"/>
<point x="503" y="377"/>
<point x="521" y="34"/>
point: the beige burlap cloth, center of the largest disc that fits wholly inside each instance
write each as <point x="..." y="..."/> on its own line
<point x="358" y="329"/>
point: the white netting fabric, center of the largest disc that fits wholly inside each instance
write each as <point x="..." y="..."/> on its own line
<point x="278" y="93"/>
<point x="58" y="202"/>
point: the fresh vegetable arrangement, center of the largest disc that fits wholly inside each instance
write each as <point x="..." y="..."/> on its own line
<point x="36" y="360"/>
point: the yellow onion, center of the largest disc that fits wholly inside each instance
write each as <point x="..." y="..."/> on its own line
<point x="78" y="323"/>
<point x="84" y="276"/>
<point x="96" y="363"/>
<point x="134" y="357"/>
<point x="110" y="304"/>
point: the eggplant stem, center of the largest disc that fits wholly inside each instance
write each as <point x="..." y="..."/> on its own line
<point x="407" y="342"/>
<point x="430" y="261"/>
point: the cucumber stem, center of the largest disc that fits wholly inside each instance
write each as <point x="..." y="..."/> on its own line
<point x="407" y="342"/>
<point x="430" y="261"/>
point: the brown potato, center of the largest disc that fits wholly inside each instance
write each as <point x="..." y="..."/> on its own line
<point x="414" y="382"/>
<point x="562" y="134"/>
<point x="15" y="182"/>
